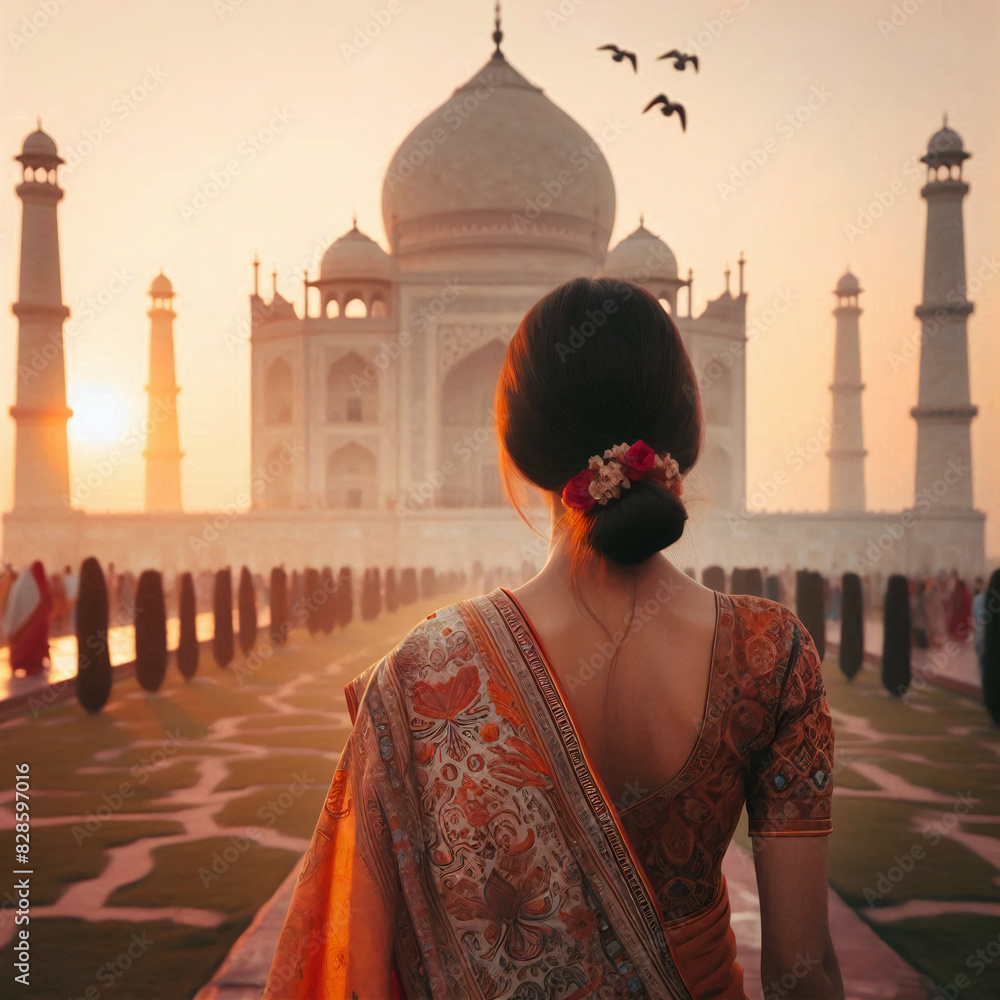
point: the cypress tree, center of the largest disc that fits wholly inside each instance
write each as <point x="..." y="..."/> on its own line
<point x="310" y="599"/>
<point x="187" y="645"/>
<point x="367" y="597"/>
<point x="391" y="591"/>
<point x="93" y="671"/>
<point x="247" y="604"/>
<point x="991" y="648"/>
<point x="345" y="597"/>
<point x="278" y="599"/>
<point x="222" y="604"/>
<point x="738" y="582"/>
<point x="408" y="586"/>
<point x="754" y="582"/>
<point x="376" y="592"/>
<point x="296" y="612"/>
<point x="852" y="625"/>
<point x="772" y="588"/>
<point x="428" y="582"/>
<point x="809" y="607"/>
<point x="896" y="636"/>
<point x="714" y="577"/>
<point x="328" y="609"/>
<point x="150" y="631"/>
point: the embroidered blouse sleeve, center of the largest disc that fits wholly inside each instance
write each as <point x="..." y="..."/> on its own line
<point x="790" y="786"/>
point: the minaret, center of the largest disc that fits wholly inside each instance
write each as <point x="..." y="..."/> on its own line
<point x="847" y="443"/>
<point x="944" y="411"/>
<point x="162" y="454"/>
<point x="41" y="463"/>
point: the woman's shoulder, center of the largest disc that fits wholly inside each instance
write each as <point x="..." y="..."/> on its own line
<point x="767" y="636"/>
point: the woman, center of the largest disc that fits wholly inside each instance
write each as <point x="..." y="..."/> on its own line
<point x="26" y="621"/>
<point x="541" y="784"/>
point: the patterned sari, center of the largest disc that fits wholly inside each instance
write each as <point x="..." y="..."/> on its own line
<point x="468" y="848"/>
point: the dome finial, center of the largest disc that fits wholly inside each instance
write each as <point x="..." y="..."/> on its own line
<point x="497" y="33"/>
<point x="39" y="119"/>
<point x="642" y="217"/>
<point x="354" y="219"/>
<point x="946" y="119"/>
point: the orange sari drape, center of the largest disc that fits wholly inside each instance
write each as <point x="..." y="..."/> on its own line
<point x="467" y="849"/>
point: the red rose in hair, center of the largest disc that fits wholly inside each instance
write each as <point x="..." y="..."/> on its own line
<point x="639" y="459"/>
<point x="576" y="493"/>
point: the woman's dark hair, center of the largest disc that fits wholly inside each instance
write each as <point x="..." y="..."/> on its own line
<point x="598" y="362"/>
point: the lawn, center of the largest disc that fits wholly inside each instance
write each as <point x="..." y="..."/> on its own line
<point x="202" y="760"/>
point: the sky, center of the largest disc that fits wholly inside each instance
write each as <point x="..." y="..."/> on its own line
<point x="201" y="132"/>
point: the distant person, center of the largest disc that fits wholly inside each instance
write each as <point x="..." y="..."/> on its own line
<point x="959" y="620"/>
<point x="7" y="577"/>
<point x="26" y="623"/>
<point x="532" y="803"/>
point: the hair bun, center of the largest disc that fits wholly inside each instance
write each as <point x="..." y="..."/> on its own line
<point x="644" y="520"/>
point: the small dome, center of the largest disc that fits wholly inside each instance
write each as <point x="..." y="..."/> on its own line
<point x="40" y="147"/>
<point x="945" y="146"/>
<point x="161" y="287"/>
<point x="945" y="140"/>
<point x="641" y="256"/>
<point x="848" y="284"/>
<point x="355" y="255"/>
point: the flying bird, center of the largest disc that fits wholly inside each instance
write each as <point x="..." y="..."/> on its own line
<point x="620" y="54"/>
<point x="680" y="59"/>
<point x="668" y="109"/>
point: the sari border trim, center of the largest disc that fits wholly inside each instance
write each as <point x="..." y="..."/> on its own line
<point x="592" y="786"/>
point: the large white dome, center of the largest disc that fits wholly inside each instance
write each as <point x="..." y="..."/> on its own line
<point x="498" y="165"/>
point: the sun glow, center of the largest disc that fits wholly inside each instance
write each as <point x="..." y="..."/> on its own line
<point x="100" y="413"/>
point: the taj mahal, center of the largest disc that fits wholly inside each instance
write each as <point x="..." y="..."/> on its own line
<point x="371" y="396"/>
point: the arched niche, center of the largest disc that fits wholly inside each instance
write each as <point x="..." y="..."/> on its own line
<point x="277" y="393"/>
<point x="351" y="391"/>
<point x="351" y="478"/>
<point x="468" y="438"/>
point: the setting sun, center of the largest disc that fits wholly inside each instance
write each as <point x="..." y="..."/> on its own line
<point x="100" y="413"/>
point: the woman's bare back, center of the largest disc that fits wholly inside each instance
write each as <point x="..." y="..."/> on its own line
<point x="640" y="720"/>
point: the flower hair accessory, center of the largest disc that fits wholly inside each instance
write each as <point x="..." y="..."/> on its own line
<point x="605" y="478"/>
